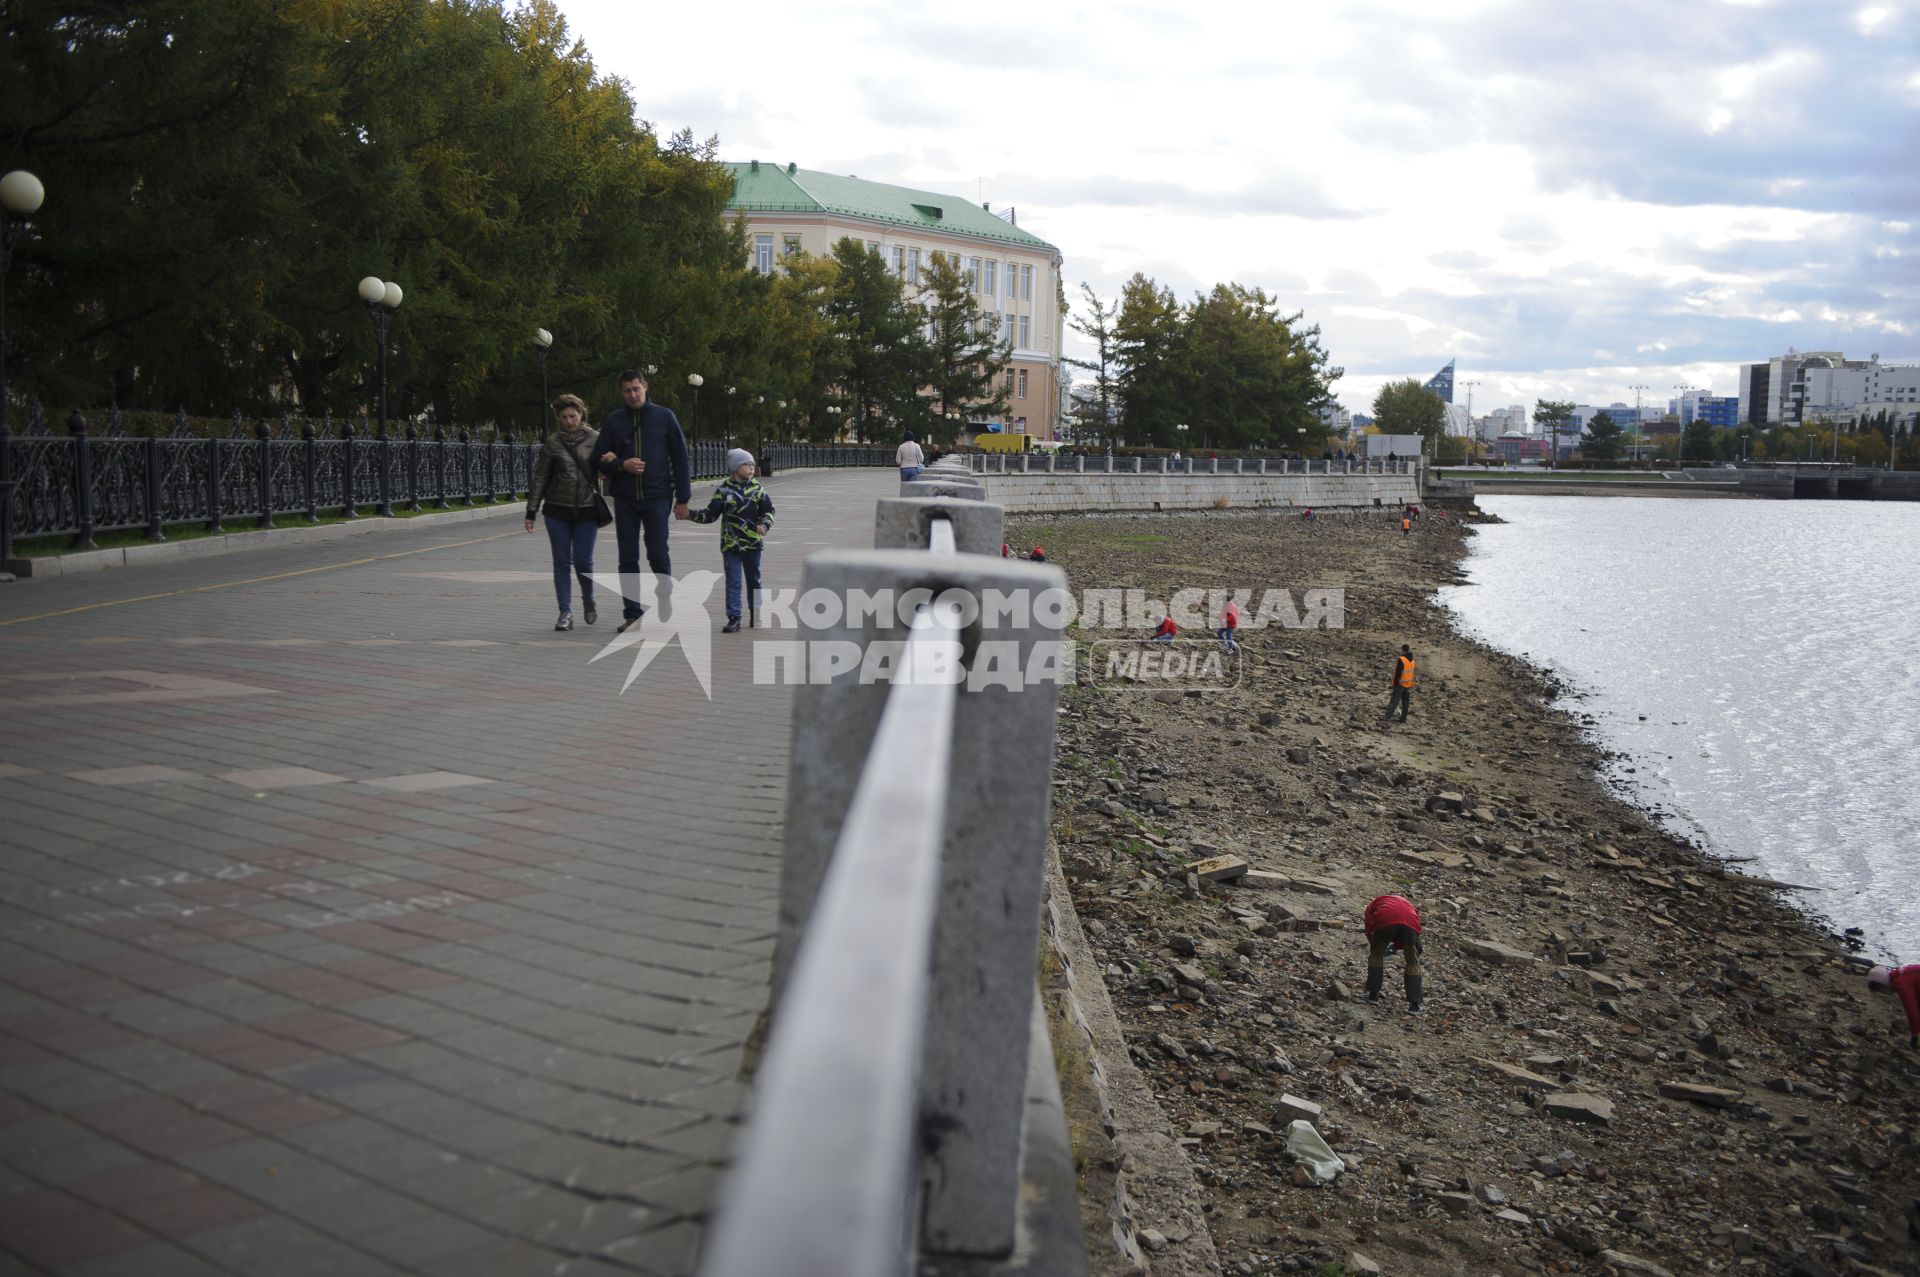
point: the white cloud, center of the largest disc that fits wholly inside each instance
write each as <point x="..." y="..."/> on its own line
<point x="1425" y="178"/>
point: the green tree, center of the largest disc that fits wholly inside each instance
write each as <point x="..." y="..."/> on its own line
<point x="1696" y="442"/>
<point x="1096" y="324"/>
<point x="880" y="346"/>
<point x="1153" y="394"/>
<point x="1602" y="439"/>
<point x="1407" y="407"/>
<point x="1552" y="415"/>
<point x="966" y="358"/>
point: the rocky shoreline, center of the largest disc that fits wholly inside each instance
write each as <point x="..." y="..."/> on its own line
<point x="1632" y="1059"/>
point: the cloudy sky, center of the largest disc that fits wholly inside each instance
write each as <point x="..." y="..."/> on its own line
<point x="1571" y="199"/>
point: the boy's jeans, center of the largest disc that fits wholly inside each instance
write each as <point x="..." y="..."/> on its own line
<point x="741" y="563"/>
<point x="909" y="473"/>
<point x="1225" y="635"/>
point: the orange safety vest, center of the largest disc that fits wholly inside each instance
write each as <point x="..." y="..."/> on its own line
<point x="1405" y="675"/>
<point x="1405" y="523"/>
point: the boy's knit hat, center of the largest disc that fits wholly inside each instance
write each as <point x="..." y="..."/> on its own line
<point x="737" y="457"/>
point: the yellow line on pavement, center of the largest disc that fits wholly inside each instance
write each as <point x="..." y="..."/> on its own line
<point x="253" y="580"/>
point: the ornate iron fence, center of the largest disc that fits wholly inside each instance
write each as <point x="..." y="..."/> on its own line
<point x="81" y="482"/>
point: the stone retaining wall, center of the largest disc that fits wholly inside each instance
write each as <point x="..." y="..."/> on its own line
<point x="1039" y="493"/>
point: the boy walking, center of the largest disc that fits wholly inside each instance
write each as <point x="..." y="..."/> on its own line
<point x="745" y="513"/>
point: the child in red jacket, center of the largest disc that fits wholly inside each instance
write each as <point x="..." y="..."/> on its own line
<point x="1904" y="981"/>
<point x="1392" y="922"/>
<point x="1164" y="632"/>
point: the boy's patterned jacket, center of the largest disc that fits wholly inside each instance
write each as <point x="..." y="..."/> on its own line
<point x="742" y="506"/>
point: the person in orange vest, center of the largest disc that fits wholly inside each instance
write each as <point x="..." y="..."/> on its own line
<point x="1406" y="524"/>
<point x="1165" y="631"/>
<point x="1402" y="684"/>
<point x="1229" y="623"/>
<point x="1391" y="922"/>
<point x="1904" y="981"/>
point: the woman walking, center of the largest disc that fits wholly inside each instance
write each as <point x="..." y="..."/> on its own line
<point x="564" y="488"/>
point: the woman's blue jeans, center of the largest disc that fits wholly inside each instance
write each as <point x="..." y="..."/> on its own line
<point x="572" y="545"/>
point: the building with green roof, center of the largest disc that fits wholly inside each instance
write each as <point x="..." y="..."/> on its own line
<point x="1015" y="273"/>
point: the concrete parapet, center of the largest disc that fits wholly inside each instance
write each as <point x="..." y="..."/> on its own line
<point x="1038" y="492"/>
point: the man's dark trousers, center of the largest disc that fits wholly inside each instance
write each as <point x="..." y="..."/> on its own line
<point x="1402" y="699"/>
<point x="649" y="517"/>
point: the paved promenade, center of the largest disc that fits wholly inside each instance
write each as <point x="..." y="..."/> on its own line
<point x="352" y="923"/>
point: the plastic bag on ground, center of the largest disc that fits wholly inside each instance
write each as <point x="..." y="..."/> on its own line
<point x="1306" y="1147"/>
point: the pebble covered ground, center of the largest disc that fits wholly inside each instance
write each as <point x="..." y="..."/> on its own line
<point x="1632" y="1059"/>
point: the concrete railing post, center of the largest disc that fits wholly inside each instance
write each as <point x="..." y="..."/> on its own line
<point x="901" y="523"/>
<point x="973" y="1092"/>
<point x="1079" y="465"/>
<point x="964" y="489"/>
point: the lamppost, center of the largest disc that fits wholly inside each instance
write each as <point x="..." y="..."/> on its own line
<point x="542" y="339"/>
<point x="759" y="424"/>
<point x="1472" y="427"/>
<point x="696" y="381"/>
<point x="382" y="299"/>
<point x="726" y="440"/>
<point x="20" y="196"/>
<point x="780" y="421"/>
<point x="833" y="423"/>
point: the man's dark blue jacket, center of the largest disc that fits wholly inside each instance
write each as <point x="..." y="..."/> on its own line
<point x="653" y="434"/>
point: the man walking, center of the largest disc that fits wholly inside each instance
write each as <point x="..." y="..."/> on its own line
<point x="1402" y="684"/>
<point x="644" y="455"/>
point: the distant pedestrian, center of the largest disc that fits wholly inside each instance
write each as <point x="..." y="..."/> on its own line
<point x="1038" y="556"/>
<point x="1904" y="981"/>
<point x="1402" y="694"/>
<point x="1164" y="632"/>
<point x="1406" y="525"/>
<point x="1391" y="922"/>
<point x="1229" y="624"/>
<point x="909" y="458"/>
<point x="1006" y="551"/>
<point x="566" y="489"/>
<point x="745" y="513"/>
<point x="1307" y="514"/>
<point x="643" y="454"/>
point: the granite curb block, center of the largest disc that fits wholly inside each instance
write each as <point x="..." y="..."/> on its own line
<point x="1155" y="1188"/>
<point x="53" y="565"/>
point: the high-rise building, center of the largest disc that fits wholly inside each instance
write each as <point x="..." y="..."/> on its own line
<point x="1808" y="386"/>
<point x="1015" y="274"/>
<point x="1441" y="383"/>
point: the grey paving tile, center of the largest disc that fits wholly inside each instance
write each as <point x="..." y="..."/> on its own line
<point x="571" y="964"/>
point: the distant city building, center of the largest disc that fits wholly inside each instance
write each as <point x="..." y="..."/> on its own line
<point x="1799" y="387"/>
<point x="1336" y="419"/>
<point x="1401" y="447"/>
<point x="1515" y="448"/>
<point x="1511" y="420"/>
<point x="1720" y="411"/>
<point x="1441" y="383"/>
<point x="1015" y="274"/>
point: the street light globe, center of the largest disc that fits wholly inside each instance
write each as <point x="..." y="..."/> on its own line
<point x="372" y="289"/>
<point x="732" y="389"/>
<point x="542" y="338"/>
<point x="695" y="380"/>
<point x="759" y="398"/>
<point x="782" y="405"/>
<point x="391" y="295"/>
<point x="21" y="193"/>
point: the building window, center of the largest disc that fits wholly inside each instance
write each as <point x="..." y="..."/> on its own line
<point x="1022" y="392"/>
<point x="873" y="246"/>
<point x="989" y="289"/>
<point x="973" y="274"/>
<point x="1026" y="283"/>
<point x="899" y="261"/>
<point x="790" y="245"/>
<point x="1026" y="331"/>
<point x="763" y="254"/>
<point x="913" y="266"/>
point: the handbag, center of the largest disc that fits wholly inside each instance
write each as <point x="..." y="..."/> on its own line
<point x="602" y="512"/>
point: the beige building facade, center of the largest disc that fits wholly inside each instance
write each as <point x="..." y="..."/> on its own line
<point x="1015" y="275"/>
